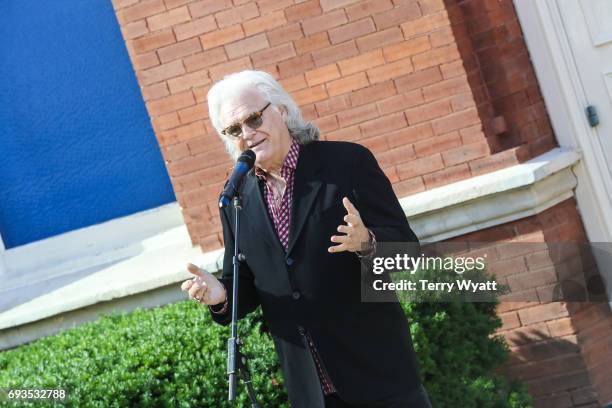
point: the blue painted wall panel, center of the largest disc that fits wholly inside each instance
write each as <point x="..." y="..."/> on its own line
<point x="76" y="144"/>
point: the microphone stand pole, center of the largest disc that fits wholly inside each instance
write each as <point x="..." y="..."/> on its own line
<point x="235" y="359"/>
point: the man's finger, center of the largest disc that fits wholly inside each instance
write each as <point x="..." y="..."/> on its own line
<point x="337" y="248"/>
<point x="186" y="285"/>
<point x="350" y="208"/>
<point x="194" y="270"/>
<point x="339" y="238"/>
<point x="344" y="229"/>
<point x="352" y="219"/>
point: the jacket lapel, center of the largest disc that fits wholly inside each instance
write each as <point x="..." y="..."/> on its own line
<point x="305" y="189"/>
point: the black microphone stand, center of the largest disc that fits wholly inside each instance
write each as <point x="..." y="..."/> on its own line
<point x="235" y="359"/>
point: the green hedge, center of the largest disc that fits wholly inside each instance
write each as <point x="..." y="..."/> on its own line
<point x="174" y="356"/>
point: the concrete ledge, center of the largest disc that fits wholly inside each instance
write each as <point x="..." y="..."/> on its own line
<point x="494" y="198"/>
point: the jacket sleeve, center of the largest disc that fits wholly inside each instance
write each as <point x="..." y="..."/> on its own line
<point x="377" y="203"/>
<point x="247" y="293"/>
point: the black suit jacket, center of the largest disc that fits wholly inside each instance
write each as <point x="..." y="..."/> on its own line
<point x="365" y="347"/>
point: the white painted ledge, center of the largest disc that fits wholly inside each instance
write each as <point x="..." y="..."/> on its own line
<point x="157" y="261"/>
<point x="492" y="199"/>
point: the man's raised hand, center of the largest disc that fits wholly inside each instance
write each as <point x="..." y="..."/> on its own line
<point x="204" y="287"/>
<point x="356" y="234"/>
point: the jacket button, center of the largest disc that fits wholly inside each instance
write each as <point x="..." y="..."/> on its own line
<point x="301" y="330"/>
<point x="296" y="295"/>
<point x="289" y="261"/>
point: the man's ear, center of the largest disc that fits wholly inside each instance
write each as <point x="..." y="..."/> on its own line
<point x="282" y="109"/>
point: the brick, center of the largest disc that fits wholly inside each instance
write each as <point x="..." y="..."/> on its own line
<point x="333" y="4"/>
<point x="175" y="152"/>
<point x="195" y="28"/>
<point x="144" y="61"/>
<point x="268" y="6"/>
<point x="383" y="125"/>
<point x="179" y="50"/>
<point x="293" y="83"/>
<point x="380" y="39"/>
<point x="162" y="72"/>
<point x="312" y="43"/>
<point x="141" y="10"/>
<point x="357" y="115"/>
<point x="327" y="123"/>
<point x="168" y="19"/>
<point x="447" y="176"/>
<point x="390" y="71"/>
<point x="322" y="75"/>
<point x="135" y="29"/>
<point x="542" y="313"/>
<point x="406" y="48"/>
<point x="452" y="69"/>
<point x="152" y="41"/>
<point x="509" y="320"/>
<point x="155" y="91"/>
<point x="334" y="53"/>
<point x="408" y="187"/>
<point x="431" y="6"/>
<point x="351" y="30"/>
<point x="193" y="113"/>
<point x="456" y="121"/>
<point x="418" y="167"/>
<point x="367" y="8"/>
<point x="247" y="46"/>
<point x="323" y="22"/>
<point x="218" y="71"/>
<point x="435" y="57"/>
<point x="273" y="55"/>
<point x="170" y="4"/>
<point x="443" y="36"/>
<point x="418" y="79"/>
<point x="466" y="153"/>
<point x="361" y="62"/>
<point x="188" y="81"/>
<point x="372" y="93"/>
<point x="264" y="23"/>
<point x="551" y="384"/>
<point x="303" y="10"/>
<point x="346" y="133"/>
<point x="204" y="59"/>
<point x="236" y="15"/>
<point x="400" y="102"/>
<point x="119" y="4"/>
<point x="409" y="135"/>
<point x="378" y="145"/>
<point x="531" y="280"/>
<point x="347" y="84"/>
<point x="428" y="112"/>
<point x="462" y="102"/>
<point x="166" y="122"/>
<point x="332" y="105"/>
<point x="425" y="24"/>
<point x="170" y="103"/>
<point x="310" y="95"/>
<point x="397" y="156"/>
<point x="398" y="15"/>
<point x="446" y="88"/>
<point x="206" y="7"/>
<point x="437" y="144"/>
<point x="296" y="65"/>
<point x="182" y="133"/>
<point x="222" y="36"/>
<point x="284" y="34"/>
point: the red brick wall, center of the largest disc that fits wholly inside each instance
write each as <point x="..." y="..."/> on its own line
<point x="562" y="350"/>
<point x="440" y="92"/>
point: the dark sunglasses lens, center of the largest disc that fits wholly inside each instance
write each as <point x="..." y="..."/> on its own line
<point x="254" y="121"/>
<point x="235" y="130"/>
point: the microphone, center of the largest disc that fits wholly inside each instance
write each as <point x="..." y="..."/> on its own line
<point x="245" y="162"/>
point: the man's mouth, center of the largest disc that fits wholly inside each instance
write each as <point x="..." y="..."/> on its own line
<point x="257" y="144"/>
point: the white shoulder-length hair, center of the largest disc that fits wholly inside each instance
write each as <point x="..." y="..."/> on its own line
<point x="301" y="131"/>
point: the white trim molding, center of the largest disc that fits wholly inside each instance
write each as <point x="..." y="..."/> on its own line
<point x="565" y="99"/>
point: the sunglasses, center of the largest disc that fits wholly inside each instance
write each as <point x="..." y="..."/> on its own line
<point x="253" y="121"/>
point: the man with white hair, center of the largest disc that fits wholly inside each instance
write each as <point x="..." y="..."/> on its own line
<point x="311" y="210"/>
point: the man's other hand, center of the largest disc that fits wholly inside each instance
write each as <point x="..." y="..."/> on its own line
<point x="356" y="234"/>
<point x="204" y="287"/>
